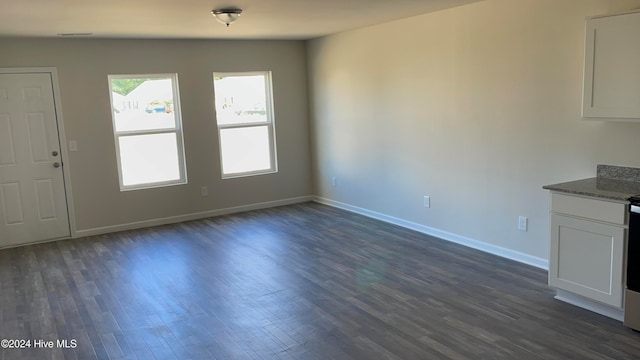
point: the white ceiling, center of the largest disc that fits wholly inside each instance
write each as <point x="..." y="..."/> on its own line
<point x="261" y="19"/>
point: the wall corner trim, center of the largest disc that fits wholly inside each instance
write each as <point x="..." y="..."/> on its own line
<point x="444" y="235"/>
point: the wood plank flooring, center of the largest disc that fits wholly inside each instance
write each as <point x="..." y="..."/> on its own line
<point x="298" y="282"/>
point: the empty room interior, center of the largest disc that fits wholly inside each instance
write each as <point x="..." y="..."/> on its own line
<point x="298" y="179"/>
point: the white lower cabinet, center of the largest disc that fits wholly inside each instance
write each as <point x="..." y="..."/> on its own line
<point x="587" y="254"/>
<point x="587" y="258"/>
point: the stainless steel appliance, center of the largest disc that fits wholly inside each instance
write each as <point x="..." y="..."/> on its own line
<point x="632" y="292"/>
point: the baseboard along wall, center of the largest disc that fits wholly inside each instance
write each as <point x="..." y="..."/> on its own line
<point x="444" y="235"/>
<point x="189" y="217"/>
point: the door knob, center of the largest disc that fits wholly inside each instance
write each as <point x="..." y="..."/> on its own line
<point x="56" y="165"/>
<point x="54" y="153"/>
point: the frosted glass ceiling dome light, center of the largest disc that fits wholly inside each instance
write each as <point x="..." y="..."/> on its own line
<point x="226" y="16"/>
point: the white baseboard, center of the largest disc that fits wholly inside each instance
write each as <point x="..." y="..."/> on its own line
<point x="189" y="217"/>
<point x="475" y="244"/>
<point x="444" y="235"/>
<point x="596" y="307"/>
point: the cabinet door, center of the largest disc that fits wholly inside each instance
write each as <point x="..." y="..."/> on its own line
<point x="612" y="67"/>
<point x="587" y="259"/>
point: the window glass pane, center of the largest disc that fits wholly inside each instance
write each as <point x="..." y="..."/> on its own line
<point x="147" y="130"/>
<point x="240" y="99"/>
<point x="142" y="104"/>
<point x="149" y="159"/>
<point x="245" y="149"/>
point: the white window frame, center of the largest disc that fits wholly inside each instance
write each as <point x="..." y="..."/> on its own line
<point x="177" y="130"/>
<point x="270" y="123"/>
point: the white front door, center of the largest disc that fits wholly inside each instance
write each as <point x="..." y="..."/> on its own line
<point x="33" y="204"/>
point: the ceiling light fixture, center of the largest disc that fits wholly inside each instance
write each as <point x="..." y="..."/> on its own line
<point x="227" y="15"/>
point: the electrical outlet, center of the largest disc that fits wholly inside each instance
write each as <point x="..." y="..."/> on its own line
<point x="204" y="191"/>
<point x="333" y="181"/>
<point x="427" y="201"/>
<point x="523" y="223"/>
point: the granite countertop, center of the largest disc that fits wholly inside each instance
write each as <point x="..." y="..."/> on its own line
<point x="612" y="182"/>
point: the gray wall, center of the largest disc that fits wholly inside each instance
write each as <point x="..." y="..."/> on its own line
<point x="477" y="106"/>
<point x="83" y="66"/>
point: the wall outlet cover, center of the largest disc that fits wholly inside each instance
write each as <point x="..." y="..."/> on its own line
<point x="522" y="223"/>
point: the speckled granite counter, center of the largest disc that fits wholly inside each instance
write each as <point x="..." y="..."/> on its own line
<point x="612" y="182"/>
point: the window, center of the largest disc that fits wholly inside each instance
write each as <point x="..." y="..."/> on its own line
<point x="148" y="130"/>
<point x="244" y="113"/>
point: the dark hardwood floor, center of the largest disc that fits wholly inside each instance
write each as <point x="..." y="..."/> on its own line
<point x="299" y="282"/>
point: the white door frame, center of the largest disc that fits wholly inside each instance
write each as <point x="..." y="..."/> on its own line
<point x="64" y="153"/>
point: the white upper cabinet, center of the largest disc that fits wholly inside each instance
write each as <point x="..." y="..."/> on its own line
<point x="612" y="67"/>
